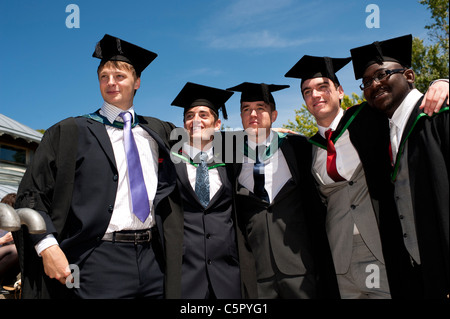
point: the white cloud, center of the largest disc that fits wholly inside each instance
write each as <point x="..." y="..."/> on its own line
<point x="244" y="12"/>
<point x="258" y="24"/>
<point x="254" y="40"/>
<point x="202" y="71"/>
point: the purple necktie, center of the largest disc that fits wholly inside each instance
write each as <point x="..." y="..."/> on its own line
<point x="139" y="197"/>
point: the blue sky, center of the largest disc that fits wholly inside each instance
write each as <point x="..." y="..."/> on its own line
<point x="48" y="73"/>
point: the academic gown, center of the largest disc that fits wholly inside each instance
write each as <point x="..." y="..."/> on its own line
<point x="295" y="235"/>
<point x="428" y="164"/>
<point x="72" y="183"/>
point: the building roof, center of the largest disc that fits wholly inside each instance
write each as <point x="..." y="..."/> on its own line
<point x="18" y="130"/>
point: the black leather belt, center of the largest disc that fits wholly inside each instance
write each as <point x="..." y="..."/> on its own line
<point x="129" y="236"/>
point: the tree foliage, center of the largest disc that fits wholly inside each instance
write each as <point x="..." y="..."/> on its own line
<point x="439" y="29"/>
<point x="431" y="62"/>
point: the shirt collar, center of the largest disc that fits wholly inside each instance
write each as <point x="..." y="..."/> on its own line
<point x="402" y="113"/>
<point x="266" y="142"/>
<point x="333" y="125"/>
<point x="112" y="112"/>
<point x="192" y="152"/>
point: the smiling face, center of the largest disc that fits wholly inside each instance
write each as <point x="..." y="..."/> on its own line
<point x="256" y="116"/>
<point x="387" y="94"/>
<point x="118" y="85"/>
<point x="322" y="99"/>
<point x="201" y="123"/>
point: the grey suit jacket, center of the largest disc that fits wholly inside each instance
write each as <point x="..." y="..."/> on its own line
<point x="349" y="203"/>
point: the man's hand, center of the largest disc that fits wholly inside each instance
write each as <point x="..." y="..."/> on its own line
<point x="55" y="263"/>
<point x="284" y="130"/>
<point x="6" y="239"/>
<point x="435" y="96"/>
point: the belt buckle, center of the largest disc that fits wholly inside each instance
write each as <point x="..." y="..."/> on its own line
<point x="148" y="233"/>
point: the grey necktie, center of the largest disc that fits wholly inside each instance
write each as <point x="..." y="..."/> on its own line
<point x="202" y="180"/>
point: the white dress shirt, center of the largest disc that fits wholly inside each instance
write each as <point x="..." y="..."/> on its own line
<point x="347" y="158"/>
<point x="122" y="217"/>
<point x="214" y="178"/>
<point x="276" y="170"/>
<point x="400" y="117"/>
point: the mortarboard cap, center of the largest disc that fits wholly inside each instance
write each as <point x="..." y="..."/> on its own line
<point x="114" y="49"/>
<point x="252" y="92"/>
<point x="394" y="50"/>
<point x="194" y="94"/>
<point x="309" y="67"/>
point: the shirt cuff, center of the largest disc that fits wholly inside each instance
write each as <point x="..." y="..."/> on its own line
<point x="432" y="82"/>
<point x="45" y="243"/>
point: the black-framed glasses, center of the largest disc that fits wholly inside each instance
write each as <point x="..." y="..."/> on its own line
<point x="383" y="74"/>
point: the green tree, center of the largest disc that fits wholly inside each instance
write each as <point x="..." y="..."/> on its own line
<point x="430" y="62"/>
<point x="439" y="29"/>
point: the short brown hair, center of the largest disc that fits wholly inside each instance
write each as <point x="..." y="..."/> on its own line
<point x="118" y="65"/>
<point x="214" y="114"/>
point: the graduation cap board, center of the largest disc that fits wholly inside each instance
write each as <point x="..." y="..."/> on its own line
<point x="194" y="94"/>
<point x="110" y="48"/>
<point x="393" y="50"/>
<point x="252" y="92"/>
<point x="309" y="67"/>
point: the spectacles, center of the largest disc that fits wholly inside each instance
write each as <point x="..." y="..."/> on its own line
<point x="384" y="74"/>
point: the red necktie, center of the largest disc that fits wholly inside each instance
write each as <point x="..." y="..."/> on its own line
<point x="331" y="159"/>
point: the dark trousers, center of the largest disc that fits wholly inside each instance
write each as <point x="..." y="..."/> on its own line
<point x="121" y="270"/>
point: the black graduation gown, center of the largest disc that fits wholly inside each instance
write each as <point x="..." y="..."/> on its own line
<point x="428" y="164"/>
<point x="75" y="161"/>
<point x="303" y="242"/>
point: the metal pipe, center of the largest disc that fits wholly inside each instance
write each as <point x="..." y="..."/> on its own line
<point x="32" y="219"/>
<point x="9" y="220"/>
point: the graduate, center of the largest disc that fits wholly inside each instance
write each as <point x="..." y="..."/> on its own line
<point x="352" y="178"/>
<point x="278" y="207"/>
<point x="210" y="268"/>
<point x="106" y="187"/>
<point x="419" y="149"/>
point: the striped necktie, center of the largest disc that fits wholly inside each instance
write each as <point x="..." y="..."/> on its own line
<point x="202" y="180"/>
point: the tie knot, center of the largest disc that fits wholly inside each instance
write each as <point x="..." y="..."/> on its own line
<point x="126" y="116"/>
<point x="328" y="133"/>
<point x="203" y="157"/>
